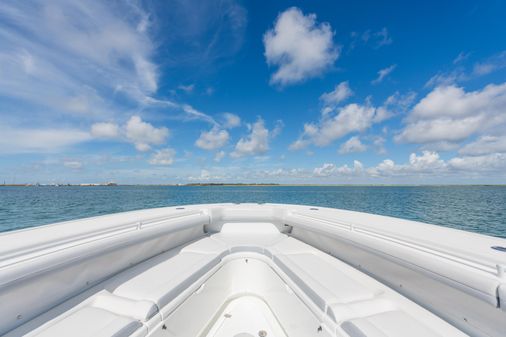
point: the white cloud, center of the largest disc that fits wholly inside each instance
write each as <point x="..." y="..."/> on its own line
<point x="340" y="93"/>
<point x="429" y="160"/>
<point x="383" y="73"/>
<point x="379" y="144"/>
<point x="485" y="145"/>
<point x="327" y="170"/>
<point x="194" y="114"/>
<point x="450" y="114"/>
<point x="231" y="120"/>
<point x="206" y="175"/>
<point x="212" y="139"/>
<point x="136" y="131"/>
<point x="350" y="118"/>
<point x="82" y="61"/>
<point x="461" y="57"/>
<point x="51" y="51"/>
<point x="490" y="65"/>
<point x="143" y="134"/>
<point x="476" y="164"/>
<point x="163" y="157"/>
<point x="352" y="145"/>
<point x="187" y="88"/>
<point x="399" y="101"/>
<point x="257" y="142"/>
<point x="462" y="73"/>
<point x="299" y="144"/>
<point x="278" y="128"/>
<point x="299" y="46"/>
<point x="219" y="156"/>
<point x="442" y="79"/>
<point x="377" y="39"/>
<point x="73" y="164"/>
<point x="383" y="37"/>
<point x="429" y="163"/>
<point x="18" y="140"/>
<point x="105" y="130"/>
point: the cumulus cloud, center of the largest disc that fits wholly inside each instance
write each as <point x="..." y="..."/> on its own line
<point x="428" y="163"/>
<point x="212" y="139"/>
<point x="327" y="170"/>
<point x="163" y="157"/>
<point x="299" y="47"/>
<point x="352" y="145"/>
<point x="231" y="120"/>
<point x="136" y="131"/>
<point x="340" y="93"/>
<point x="256" y="143"/>
<point x="105" y="130"/>
<point x="383" y="73"/>
<point x="350" y="118"/>
<point x="143" y="134"/>
<point x="450" y="114"/>
<point x="419" y="168"/>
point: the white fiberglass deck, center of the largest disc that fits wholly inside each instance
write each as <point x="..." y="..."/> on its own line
<point x="239" y="279"/>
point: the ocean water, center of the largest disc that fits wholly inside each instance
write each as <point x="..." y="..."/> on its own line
<point x="480" y="209"/>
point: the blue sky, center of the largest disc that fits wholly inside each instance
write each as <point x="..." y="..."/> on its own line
<point x="257" y="91"/>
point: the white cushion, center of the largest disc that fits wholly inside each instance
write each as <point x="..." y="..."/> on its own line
<point x="206" y="246"/>
<point x="387" y="324"/>
<point x="290" y="246"/>
<point x="255" y="242"/>
<point x="91" y="322"/>
<point x="322" y="279"/>
<point x="140" y="310"/>
<point x="162" y="282"/>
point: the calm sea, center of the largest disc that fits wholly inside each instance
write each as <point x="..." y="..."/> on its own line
<point x="479" y="209"/>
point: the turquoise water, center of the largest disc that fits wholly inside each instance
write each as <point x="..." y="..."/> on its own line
<point x="479" y="209"/>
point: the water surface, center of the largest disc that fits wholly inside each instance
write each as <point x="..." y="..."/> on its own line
<point x="480" y="209"/>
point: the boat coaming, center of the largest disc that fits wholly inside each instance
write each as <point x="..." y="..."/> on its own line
<point x="152" y="272"/>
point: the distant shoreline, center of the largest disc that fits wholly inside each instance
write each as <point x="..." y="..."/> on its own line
<point x="248" y="185"/>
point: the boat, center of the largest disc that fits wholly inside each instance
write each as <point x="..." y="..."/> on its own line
<point x="248" y="270"/>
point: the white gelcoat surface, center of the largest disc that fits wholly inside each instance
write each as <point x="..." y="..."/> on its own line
<point x="246" y="316"/>
<point x="156" y="273"/>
